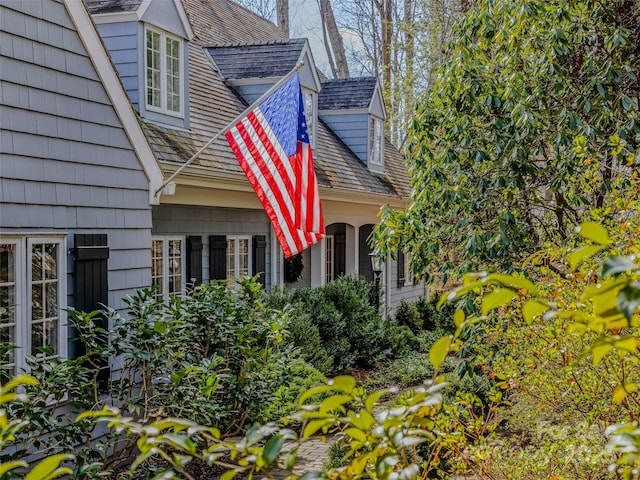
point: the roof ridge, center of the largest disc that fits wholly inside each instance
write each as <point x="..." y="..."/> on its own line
<point x="359" y="79"/>
<point x="289" y="41"/>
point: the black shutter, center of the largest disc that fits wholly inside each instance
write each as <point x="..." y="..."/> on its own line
<point x="401" y="278"/>
<point x="260" y="257"/>
<point x="194" y="260"/>
<point x="92" y="284"/>
<point x="218" y="257"/>
<point x="339" y="255"/>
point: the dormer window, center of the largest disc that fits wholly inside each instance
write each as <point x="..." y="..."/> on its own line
<point x="376" y="142"/>
<point x="309" y="99"/>
<point x="163" y="72"/>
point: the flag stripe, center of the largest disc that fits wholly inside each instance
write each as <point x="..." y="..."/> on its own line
<point x="271" y="144"/>
<point x="271" y="199"/>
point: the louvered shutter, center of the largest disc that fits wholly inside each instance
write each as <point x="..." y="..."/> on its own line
<point x="218" y="257"/>
<point x="260" y="257"/>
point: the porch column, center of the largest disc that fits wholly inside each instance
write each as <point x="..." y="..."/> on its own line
<point x="318" y="263"/>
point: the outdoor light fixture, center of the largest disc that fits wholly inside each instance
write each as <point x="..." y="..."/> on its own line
<point x="377" y="265"/>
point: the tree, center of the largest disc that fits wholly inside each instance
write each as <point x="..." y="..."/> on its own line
<point x="532" y="122"/>
<point x="282" y="10"/>
<point x="400" y="42"/>
<point x="334" y="44"/>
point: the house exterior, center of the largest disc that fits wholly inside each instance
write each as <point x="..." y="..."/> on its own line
<point x="189" y="68"/>
<point x="76" y="178"/>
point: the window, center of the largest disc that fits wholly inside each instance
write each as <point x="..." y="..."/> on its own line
<point x="408" y="274"/>
<point x="238" y="259"/>
<point x="329" y="258"/>
<point x="32" y="299"/>
<point x="163" y="72"/>
<point x="376" y="141"/>
<point x="308" y="98"/>
<point x="167" y="266"/>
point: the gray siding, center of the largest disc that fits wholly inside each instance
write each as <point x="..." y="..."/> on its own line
<point x="251" y="93"/>
<point x="397" y="294"/>
<point x="204" y="221"/>
<point x="353" y="130"/>
<point x="121" y="40"/>
<point x="66" y="164"/>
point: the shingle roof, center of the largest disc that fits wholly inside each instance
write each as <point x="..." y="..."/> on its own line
<point x="347" y="93"/>
<point x="262" y="60"/>
<point x="213" y="105"/>
<point x="110" y="6"/>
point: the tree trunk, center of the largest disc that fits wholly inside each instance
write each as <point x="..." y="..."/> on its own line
<point x="282" y="7"/>
<point x="337" y="52"/>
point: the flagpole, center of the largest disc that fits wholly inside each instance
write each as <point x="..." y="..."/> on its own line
<point x="230" y="125"/>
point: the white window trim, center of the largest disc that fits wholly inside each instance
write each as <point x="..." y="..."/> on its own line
<point x="313" y="133"/>
<point x="236" y="256"/>
<point x="330" y="260"/>
<point x="409" y="280"/>
<point x="163" y="73"/>
<point x="23" y="286"/>
<point x="377" y="160"/>
<point x="165" y="263"/>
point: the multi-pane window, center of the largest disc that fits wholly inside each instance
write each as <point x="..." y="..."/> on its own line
<point x="167" y="266"/>
<point x="32" y="299"/>
<point x="408" y="274"/>
<point x="329" y="258"/>
<point x="238" y="259"/>
<point x="376" y="141"/>
<point x="308" y="97"/>
<point x="163" y="71"/>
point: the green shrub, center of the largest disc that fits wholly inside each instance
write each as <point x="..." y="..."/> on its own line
<point x="434" y="317"/>
<point x="408" y="315"/>
<point x="350" y="333"/>
<point x="410" y="370"/>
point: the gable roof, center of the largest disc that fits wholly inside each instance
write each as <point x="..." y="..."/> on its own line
<point x="347" y="93"/>
<point x="109" y="11"/>
<point x="213" y="105"/>
<point x="258" y="60"/>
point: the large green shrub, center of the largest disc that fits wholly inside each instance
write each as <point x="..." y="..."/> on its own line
<point x="339" y="321"/>
<point x="217" y="356"/>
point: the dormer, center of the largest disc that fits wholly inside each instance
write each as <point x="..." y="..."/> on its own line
<point x="251" y="69"/>
<point x="148" y="43"/>
<point x="354" y="110"/>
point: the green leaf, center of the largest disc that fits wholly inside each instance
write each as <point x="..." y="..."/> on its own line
<point x="229" y="474"/>
<point x="616" y="265"/>
<point x="497" y="299"/>
<point x="313" y="426"/>
<point x="8" y="466"/>
<point x="629" y="299"/>
<point x="512" y="281"/>
<point x="272" y="449"/>
<point x="531" y="309"/>
<point x="439" y="351"/>
<point x="345" y="383"/>
<point x="626" y="345"/>
<point x="333" y="402"/>
<point x="290" y="459"/>
<point x="19" y="380"/>
<point x="621" y="392"/>
<point x="458" y="318"/>
<point x="373" y="399"/>
<point x="599" y="351"/>
<point x="575" y="257"/>
<point x="595" y="232"/>
<point x="48" y="468"/>
<point x="356" y="434"/>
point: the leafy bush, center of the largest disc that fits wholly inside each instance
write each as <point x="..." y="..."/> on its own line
<point x="410" y="370"/>
<point x="350" y="333"/>
<point x="408" y="315"/>
<point x="436" y="317"/>
<point x="217" y="356"/>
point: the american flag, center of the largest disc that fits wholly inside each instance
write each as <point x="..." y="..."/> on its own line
<point x="271" y="143"/>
